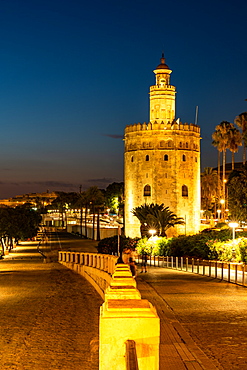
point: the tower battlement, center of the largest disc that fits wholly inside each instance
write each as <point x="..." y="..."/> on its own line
<point x="161" y="88"/>
<point x="162" y="126"/>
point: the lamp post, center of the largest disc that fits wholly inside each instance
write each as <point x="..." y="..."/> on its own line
<point x="218" y="211"/>
<point x="222" y="202"/>
<point x="233" y="225"/>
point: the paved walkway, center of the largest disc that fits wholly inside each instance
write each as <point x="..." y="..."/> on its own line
<point x="49" y="316"/>
<point x="203" y="320"/>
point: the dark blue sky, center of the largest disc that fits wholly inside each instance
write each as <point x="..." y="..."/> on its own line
<point x="74" y="73"/>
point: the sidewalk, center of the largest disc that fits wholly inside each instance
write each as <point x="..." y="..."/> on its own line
<point x="203" y="320"/>
<point x="49" y="315"/>
<point x="26" y="250"/>
<point x="177" y="349"/>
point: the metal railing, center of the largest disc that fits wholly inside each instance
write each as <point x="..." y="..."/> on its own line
<point x="231" y="272"/>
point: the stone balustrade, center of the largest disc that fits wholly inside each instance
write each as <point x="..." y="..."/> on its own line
<point x="124" y="315"/>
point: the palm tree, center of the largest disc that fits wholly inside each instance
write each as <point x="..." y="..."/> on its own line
<point x="241" y="121"/>
<point x="156" y="216"/>
<point x="216" y="143"/>
<point x="221" y="141"/>
<point x="235" y="140"/>
<point x="82" y="201"/>
<point x="144" y="213"/>
<point x="209" y="182"/>
<point x="168" y="219"/>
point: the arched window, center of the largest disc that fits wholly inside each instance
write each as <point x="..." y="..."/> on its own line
<point x="169" y="144"/>
<point x="184" y="158"/>
<point x="180" y="144"/>
<point x="132" y="159"/>
<point x="162" y="144"/>
<point x="147" y="191"/>
<point x="165" y="175"/>
<point x="186" y="145"/>
<point x="165" y="157"/>
<point x="184" y="191"/>
<point x="147" y="158"/>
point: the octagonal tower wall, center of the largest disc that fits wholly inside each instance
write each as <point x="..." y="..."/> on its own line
<point x="162" y="165"/>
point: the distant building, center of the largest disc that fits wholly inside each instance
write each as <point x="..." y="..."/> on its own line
<point x="36" y="199"/>
<point x="162" y="160"/>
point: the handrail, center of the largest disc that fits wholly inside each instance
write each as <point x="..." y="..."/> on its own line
<point x="131" y="356"/>
<point x="232" y="272"/>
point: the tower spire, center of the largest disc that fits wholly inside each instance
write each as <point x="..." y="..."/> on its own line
<point x="162" y="94"/>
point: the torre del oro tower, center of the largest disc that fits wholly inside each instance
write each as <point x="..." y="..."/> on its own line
<point x="162" y="160"/>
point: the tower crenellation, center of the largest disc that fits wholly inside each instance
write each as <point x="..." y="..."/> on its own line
<point x="162" y="159"/>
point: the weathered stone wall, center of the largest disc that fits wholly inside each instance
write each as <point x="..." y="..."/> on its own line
<point x="173" y="162"/>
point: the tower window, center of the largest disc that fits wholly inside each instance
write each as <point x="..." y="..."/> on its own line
<point x="132" y="159"/>
<point x="184" y="191"/>
<point x="184" y="158"/>
<point x="186" y="145"/>
<point x="162" y="144"/>
<point x="165" y="157"/>
<point x="165" y="175"/>
<point x="195" y="159"/>
<point x="147" y="191"/>
<point x="147" y="158"/>
<point x="180" y="144"/>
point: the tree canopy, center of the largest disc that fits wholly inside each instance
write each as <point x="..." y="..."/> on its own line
<point x="237" y="194"/>
<point x="17" y="224"/>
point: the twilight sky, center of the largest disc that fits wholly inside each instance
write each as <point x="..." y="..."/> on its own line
<point x="74" y="73"/>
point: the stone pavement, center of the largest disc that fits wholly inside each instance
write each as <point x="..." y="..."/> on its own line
<point x="49" y="315"/>
<point x="203" y="320"/>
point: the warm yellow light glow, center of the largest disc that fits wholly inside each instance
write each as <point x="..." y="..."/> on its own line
<point x="152" y="232"/>
<point x="222" y="201"/>
<point x="233" y="224"/>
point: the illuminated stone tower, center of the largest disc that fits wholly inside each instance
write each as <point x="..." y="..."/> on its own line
<point x="162" y="160"/>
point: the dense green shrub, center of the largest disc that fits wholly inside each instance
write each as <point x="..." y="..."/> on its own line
<point x="210" y="245"/>
<point x="229" y="250"/>
<point x="156" y="246"/>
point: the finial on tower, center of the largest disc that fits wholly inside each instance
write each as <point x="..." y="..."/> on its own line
<point x="162" y="64"/>
<point x="162" y="59"/>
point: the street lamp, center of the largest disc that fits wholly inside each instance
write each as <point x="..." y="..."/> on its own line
<point x="218" y="211"/>
<point x="233" y="225"/>
<point x="152" y="232"/>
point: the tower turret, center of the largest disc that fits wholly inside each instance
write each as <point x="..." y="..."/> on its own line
<point x="162" y="95"/>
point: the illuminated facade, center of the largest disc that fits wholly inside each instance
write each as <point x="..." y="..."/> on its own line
<point x="162" y="160"/>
